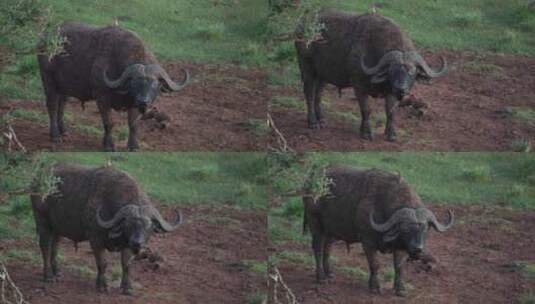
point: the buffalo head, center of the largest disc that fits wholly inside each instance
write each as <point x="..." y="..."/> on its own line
<point x="143" y="82"/>
<point x="133" y="225"/>
<point x="400" y="70"/>
<point x="407" y="228"/>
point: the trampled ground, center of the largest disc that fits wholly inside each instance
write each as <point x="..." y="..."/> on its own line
<point x="484" y="103"/>
<point x="223" y="108"/>
<point x="216" y="256"/>
<point x="478" y="261"/>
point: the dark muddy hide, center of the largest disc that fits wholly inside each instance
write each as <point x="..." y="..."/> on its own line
<point x="373" y="207"/>
<point x="104" y="206"/>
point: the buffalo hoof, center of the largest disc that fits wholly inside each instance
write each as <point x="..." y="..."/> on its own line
<point x="314" y="125"/>
<point x="366" y="136"/>
<point x="109" y="148"/>
<point x="102" y="289"/>
<point x="391" y="137"/>
<point x="401" y="292"/>
<point x="375" y="291"/>
<point x="50" y="279"/>
<point x="127" y="291"/>
<point x="133" y="147"/>
<point x="323" y="124"/>
<point x="56" y="140"/>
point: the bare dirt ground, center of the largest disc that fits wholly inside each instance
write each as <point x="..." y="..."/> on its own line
<point x="465" y="110"/>
<point x="213" y="113"/>
<point x="202" y="263"/>
<point x="475" y="264"/>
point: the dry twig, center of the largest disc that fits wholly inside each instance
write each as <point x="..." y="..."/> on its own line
<point x="281" y="140"/>
<point x="274" y="282"/>
<point x="9" y="292"/>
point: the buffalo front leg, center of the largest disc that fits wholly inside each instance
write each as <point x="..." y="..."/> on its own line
<point x="309" y="88"/>
<point x="391" y="104"/>
<point x="133" y="115"/>
<point x="105" y="113"/>
<point x="318" y="244"/>
<point x="45" y="244"/>
<point x="326" y="258"/>
<point x="100" y="258"/>
<point x="52" y="106"/>
<point x="399" y="287"/>
<point x="318" y="90"/>
<point x="62" y="100"/>
<point x="365" y="129"/>
<point x="126" y="258"/>
<point x="54" y="256"/>
<point x="373" y="264"/>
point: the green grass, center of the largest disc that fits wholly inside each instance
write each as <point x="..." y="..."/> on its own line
<point x="355" y="272"/>
<point x="256" y="298"/>
<point x="258" y="126"/>
<point x="528" y="297"/>
<point x="478" y="25"/>
<point x="288" y="102"/>
<point x="258" y="267"/>
<point x="524" y="114"/>
<point x="527" y="269"/>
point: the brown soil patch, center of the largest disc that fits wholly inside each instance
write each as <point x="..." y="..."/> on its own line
<point x="463" y="111"/>
<point x="211" y="114"/>
<point x="475" y="264"/>
<point x="203" y="263"/>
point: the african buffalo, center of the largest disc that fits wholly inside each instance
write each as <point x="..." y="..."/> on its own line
<point x="373" y="207"/>
<point x="110" y="65"/>
<point x="102" y="205"/>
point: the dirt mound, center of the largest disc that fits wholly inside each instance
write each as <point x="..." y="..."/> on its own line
<point x="477" y="262"/>
<point x="217" y="111"/>
<point x="203" y="262"/>
<point x="462" y="111"/>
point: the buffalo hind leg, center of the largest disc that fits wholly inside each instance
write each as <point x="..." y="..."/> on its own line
<point x="100" y="258"/>
<point x="399" y="287"/>
<point x="391" y="104"/>
<point x="126" y="258"/>
<point x="318" y="245"/>
<point x="365" y="129"/>
<point x="373" y="264"/>
<point x="105" y="113"/>
<point x="133" y="115"/>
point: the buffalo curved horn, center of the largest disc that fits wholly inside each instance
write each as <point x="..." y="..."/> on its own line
<point x="168" y="83"/>
<point x="117" y="217"/>
<point x="434" y="222"/>
<point x="163" y="225"/>
<point x="394" y="219"/>
<point x="426" y="68"/>
<point x="397" y="55"/>
<point x="113" y="84"/>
